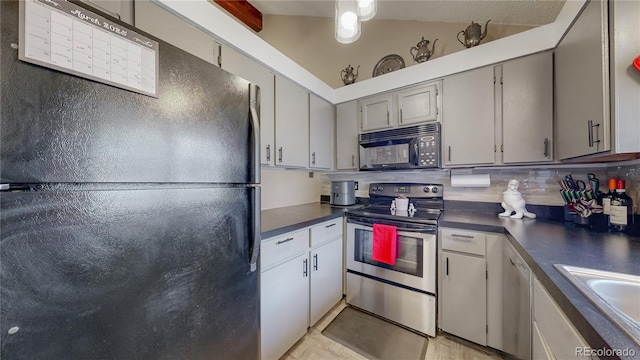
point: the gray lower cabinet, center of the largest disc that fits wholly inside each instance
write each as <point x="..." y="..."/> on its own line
<point x="469" y="296"/>
<point x="464" y="296"/>
<point x="516" y="304"/>
<point x="284" y="298"/>
<point x="553" y="334"/>
<point x="300" y="281"/>
<point x="326" y="279"/>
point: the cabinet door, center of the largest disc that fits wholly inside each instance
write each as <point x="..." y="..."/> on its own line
<point x="284" y="306"/>
<point x="347" y="135"/>
<point x="321" y="124"/>
<point x="539" y="347"/>
<point x="418" y="105"/>
<point x="561" y="337"/>
<point x="292" y="124"/>
<point x="464" y="297"/>
<point x="582" y="85"/>
<point x="468" y="118"/>
<point x="241" y="65"/>
<point x="119" y="9"/>
<point x="376" y="112"/>
<point x="326" y="279"/>
<point x="164" y="25"/>
<point x="527" y="109"/>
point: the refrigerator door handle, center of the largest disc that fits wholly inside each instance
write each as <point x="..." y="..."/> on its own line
<point x="254" y="109"/>
<point x="255" y="246"/>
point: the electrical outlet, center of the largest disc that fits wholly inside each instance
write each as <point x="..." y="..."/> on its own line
<point x="355" y="185"/>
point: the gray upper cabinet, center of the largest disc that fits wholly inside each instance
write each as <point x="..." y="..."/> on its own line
<point x="321" y="124"/>
<point x="292" y="124"/>
<point x="347" y="136"/>
<point x="245" y="67"/>
<point x="582" y="85"/>
<point x="119" y="9"/>
<point x="527" y="109"/>
<point x="418" y="105"/>
<point x="164" y="25"/>
<point x="468" y="118"/>
<point x="376" y="112"/>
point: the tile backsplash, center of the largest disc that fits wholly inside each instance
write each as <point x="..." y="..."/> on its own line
<point x="538" y="185"/>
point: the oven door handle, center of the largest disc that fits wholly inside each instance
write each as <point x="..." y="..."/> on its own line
<point x="425" y="229"/>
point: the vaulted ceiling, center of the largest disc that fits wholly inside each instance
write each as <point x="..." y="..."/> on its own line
<point x="520" y="12"/>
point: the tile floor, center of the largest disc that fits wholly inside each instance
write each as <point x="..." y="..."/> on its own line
<point x="315" y="346"/>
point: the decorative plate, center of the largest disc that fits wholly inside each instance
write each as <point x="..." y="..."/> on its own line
<point x="388" y="64"/>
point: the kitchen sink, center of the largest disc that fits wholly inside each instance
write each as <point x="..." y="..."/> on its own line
<point x="616" y="295"/>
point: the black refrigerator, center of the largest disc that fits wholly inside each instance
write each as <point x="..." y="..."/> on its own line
<point x="130" y="224"/>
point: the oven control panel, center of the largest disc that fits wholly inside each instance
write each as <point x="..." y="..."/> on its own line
<point x="409" y="190"/>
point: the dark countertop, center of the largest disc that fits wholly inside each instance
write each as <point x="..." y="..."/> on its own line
<point x="543" y="243"/>
<point x="283" y="220"/>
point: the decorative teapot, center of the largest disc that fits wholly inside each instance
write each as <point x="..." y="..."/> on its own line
<point x="422" y="50"/>
<point x="472" y="35"/>
<point x="348" y="77"/>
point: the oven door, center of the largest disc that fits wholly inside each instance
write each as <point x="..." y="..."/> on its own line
<point x="416" y="261"/>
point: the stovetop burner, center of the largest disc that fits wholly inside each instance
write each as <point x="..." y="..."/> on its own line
<point x="425" y="198"/>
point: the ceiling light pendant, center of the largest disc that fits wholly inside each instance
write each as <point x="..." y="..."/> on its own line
<point x="367" y="9"/>
<point x="347" y="21"/>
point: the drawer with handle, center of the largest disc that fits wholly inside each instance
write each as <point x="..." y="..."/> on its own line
<point x="276" y="250"/>
<point x="465" y="241"/>
<point x="325" y="231"/>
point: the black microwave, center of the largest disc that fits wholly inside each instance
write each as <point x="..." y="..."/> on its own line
<point x="415" y="147"/>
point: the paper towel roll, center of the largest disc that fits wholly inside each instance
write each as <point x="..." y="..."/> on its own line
<point x="476" y="180"/>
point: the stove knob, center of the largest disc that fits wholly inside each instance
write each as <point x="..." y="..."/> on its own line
<point x="426" y="189"/>
<point x="380" y="188"/>
<point x="435" y="190"/>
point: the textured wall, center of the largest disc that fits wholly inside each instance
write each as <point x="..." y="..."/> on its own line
<point x="310" y="42"/>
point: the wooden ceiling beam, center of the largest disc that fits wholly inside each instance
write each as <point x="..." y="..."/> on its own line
<point x="244" y="12"/>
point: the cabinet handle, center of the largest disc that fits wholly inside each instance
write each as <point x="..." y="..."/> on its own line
<point x="512" y="263"/>
<point x="449" y="153"/>
<point x="315" y="260"/>
<point x="546" y="147"/>
<point x="280" y="154"/>
<point x="284" y="241"/>
<point x="388" y="117"/>
<point x="313" y="158"/>
<point x="268" y="152"/>
<point x="447" y="266"/>
<point x="304" y="268"/>
<point x="353" y="160"/>
<point x="462" y="237"/>
<point x="591" y="126"/>
<point x="400" y="116"/>
<point x="330" y="225"/>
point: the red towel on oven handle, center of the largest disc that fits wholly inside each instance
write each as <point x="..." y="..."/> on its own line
<point x="384" y="244"/>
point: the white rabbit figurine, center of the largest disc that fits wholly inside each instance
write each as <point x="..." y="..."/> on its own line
<point x="512" y="201"/>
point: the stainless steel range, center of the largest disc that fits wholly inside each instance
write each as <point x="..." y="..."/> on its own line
<point x="406" y="291"/>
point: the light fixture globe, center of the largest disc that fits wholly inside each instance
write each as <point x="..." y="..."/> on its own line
<point x="347" y="21"/>
<point x="367" y="9"/>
